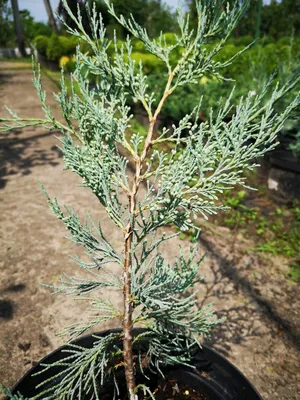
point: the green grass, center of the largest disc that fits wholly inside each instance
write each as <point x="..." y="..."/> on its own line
<point x="17" y="60"/>
<point x="274" y="229"/>
<point x="15" y="63"/>
<point x="55" y="77"/>
<point x="294" y="272"/>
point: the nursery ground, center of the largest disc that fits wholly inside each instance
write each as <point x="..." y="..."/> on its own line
<point x="260" y="334"/>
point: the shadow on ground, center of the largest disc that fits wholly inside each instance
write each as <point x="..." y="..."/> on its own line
<point x="238" y="323"/>
<point x="20" y="153"/>
<point x="7" y="305"/>
<point x="5" y="79"/>
<point x="242" y="322"/>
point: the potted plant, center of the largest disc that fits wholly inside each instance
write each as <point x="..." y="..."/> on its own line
<point x="181" y="181"/>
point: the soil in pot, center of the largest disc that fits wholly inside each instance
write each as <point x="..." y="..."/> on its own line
<point x="176" y="386"/>
<point x="171" y="390"/>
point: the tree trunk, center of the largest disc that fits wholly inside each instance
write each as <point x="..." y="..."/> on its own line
<point x="18" y="27"/>
<point x="51" y="18"/>
<point x="258" y="20"/>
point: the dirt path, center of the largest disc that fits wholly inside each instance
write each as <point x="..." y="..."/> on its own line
<point x="261" y="331"/>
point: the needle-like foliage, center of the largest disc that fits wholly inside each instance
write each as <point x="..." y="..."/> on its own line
<point x="205" y="158"/>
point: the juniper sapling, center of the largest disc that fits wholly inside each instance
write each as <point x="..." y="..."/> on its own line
<point x="206" y="159"/>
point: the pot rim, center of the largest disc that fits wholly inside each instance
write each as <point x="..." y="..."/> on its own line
<point x="208" y="351"/>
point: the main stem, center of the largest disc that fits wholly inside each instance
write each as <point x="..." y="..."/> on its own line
<point x="128" y="300"/>
<point x="127" y="320"/>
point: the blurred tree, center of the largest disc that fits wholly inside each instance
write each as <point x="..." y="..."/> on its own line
<point x="32" y="28"/>
<point x="258" y="19"/>
<point x="277" y="19"/>
<point x="159" y="17"/>
<point x="153" y="14"/>
<point x="281" y="18"/>
<point x="6" y="24"/>
<point x="51" y="18"/>
<point x="74" y="4"/>
<point x="18" y="27"/>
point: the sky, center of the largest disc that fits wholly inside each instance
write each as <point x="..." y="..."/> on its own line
<point x="37" y="8"/>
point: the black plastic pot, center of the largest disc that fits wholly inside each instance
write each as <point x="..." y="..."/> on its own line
<point x="285" y="160"/>
<point x="215" y="376"/>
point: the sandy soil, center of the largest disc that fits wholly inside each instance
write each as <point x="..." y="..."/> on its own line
<point x="261" y="331"/>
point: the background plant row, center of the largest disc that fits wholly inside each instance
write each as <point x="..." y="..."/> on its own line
<point x="247" y="69"/>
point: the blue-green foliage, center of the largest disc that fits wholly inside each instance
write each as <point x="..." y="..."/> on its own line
<point x="206" y="159"/>
<point x="7" y="392"/>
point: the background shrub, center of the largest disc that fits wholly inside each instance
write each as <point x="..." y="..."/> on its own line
<point x="54" y="49"/>
<point x="56" y="46"/>
<point x="41" y="44"/>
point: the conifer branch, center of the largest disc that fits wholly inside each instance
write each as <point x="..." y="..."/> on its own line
<point x="206" y="159"/>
